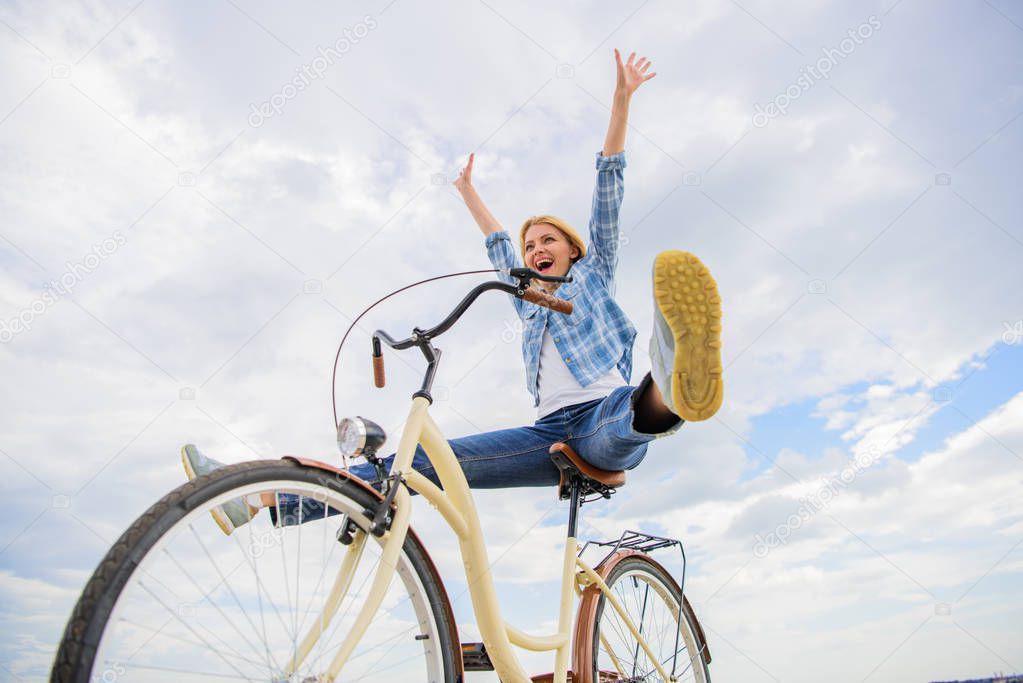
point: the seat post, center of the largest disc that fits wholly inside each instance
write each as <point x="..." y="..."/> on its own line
<point x="573" y="512"/>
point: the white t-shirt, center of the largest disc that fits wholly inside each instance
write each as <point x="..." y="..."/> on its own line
<point x="558" y="387"/>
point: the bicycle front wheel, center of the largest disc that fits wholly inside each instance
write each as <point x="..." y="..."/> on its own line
<point x="653" y="602"/>
<point x="176" y="599"/>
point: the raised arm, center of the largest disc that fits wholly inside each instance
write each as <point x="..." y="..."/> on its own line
<point x="498" y="243"/>
<point x="474" y="202"/>
<point x="609" y="190"/>
<point x="630" y="77"/>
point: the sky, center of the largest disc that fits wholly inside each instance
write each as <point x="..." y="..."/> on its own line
<point x="184" y="240"/>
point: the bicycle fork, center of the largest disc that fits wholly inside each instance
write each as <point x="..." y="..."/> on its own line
<point x="394" y="540"/>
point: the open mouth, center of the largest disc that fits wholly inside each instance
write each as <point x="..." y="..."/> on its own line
<point x="544" y="264"/>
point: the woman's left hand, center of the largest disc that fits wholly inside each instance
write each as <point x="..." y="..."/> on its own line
<point x="631" y="75"/>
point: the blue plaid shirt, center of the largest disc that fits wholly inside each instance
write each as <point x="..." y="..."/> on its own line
<point x="597" y="336"/>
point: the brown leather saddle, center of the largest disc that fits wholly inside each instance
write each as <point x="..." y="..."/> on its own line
<point x="589" y="479"/>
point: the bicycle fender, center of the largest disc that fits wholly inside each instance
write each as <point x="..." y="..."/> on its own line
<point x="584" y="622"/>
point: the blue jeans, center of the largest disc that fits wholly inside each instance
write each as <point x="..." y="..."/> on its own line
<point x="600" y="431"/>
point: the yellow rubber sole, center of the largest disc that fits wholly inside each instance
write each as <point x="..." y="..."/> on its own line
<point x="218" y="515"/>
<point x="688" y="298"/>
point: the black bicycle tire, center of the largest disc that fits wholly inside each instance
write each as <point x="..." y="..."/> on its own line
<point x="661" y="575"/>
<point x="74" y="658"/>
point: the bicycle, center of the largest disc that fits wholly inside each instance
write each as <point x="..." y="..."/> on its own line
<point x="175" y="599"/>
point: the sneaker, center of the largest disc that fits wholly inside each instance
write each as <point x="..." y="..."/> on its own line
<point x="685" y="347"/>
<point x="231" y="514"/>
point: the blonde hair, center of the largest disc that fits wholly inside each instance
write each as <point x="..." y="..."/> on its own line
<point x="567" y="230"/>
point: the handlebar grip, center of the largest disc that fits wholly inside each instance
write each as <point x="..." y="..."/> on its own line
<point x="378" y="371"/>
<point x="540" y="298"/>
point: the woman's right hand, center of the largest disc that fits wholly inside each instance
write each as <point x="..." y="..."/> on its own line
<point x="480" y="213"/>
<point x="464" y="181"/>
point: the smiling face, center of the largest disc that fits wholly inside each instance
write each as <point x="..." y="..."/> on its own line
<point x="548" y="250"/>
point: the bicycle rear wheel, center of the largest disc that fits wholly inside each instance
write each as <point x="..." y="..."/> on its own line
<point x="176" y="599"/>
<point x="653" y="602"/>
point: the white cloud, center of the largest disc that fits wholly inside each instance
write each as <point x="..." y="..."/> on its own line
<point x="945" y="502"/>
<point x="201" y="294"/>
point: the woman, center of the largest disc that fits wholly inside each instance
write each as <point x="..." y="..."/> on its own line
<point x="577" y="366"/>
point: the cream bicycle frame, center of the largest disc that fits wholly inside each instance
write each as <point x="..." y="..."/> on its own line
<point x="456" y="505"/>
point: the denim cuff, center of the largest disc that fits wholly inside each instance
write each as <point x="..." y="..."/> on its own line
<point x="288" y="511"/>
<point x="613" y="161"/>
<point x="671" y="430"/>
<point x="634" y="399"/>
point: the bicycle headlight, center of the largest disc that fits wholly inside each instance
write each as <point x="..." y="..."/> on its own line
<point x="359" y="436"/>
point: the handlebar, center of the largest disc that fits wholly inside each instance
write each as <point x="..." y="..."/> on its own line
<point x="530" y="274"/>
<point x="548" y="301"/>
<point x="423" y="338"/>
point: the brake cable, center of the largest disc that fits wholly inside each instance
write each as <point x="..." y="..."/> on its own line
<point x="337" y="358"/>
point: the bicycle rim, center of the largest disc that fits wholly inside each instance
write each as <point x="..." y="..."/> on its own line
<point x="652" y="600"/>
<point x="201" y="605"/>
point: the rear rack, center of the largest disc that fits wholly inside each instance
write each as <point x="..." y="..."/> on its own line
<point x="642" y="542"/>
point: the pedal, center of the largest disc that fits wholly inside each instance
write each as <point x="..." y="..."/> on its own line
<point x="475" y="657"/>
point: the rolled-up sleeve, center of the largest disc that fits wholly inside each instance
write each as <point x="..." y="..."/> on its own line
<point x="502" y="255"/>
<point x="607" y="202"/>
